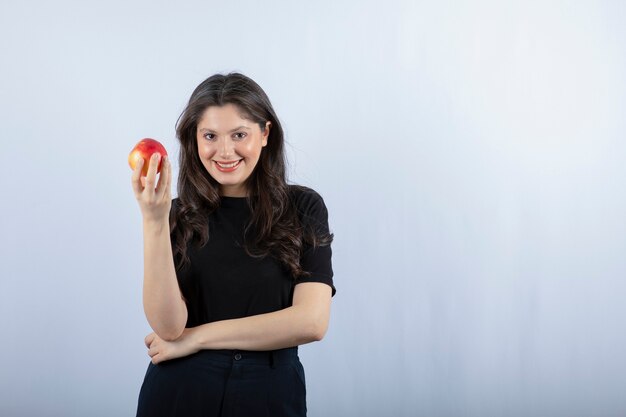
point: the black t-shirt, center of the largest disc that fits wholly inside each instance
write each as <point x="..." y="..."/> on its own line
<point x="223" y="282"/>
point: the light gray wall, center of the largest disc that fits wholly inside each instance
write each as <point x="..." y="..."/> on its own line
<point x="471" y="155"/>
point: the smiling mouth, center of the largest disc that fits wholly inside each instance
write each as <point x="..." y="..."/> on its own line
<point x="227" y="166"/>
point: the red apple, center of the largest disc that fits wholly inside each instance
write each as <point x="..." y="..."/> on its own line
<point x="144" y="149"/>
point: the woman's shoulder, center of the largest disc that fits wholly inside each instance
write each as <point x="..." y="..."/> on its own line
<point x="308" y="202"/>
<point x="304" y="196"/>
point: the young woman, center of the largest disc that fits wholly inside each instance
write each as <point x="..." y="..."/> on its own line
<point x="237" y="269"/>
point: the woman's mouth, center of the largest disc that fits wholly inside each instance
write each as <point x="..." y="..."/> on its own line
<point x="227" y="166"/>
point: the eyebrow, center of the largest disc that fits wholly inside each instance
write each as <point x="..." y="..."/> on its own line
<point x="204" y="129"/>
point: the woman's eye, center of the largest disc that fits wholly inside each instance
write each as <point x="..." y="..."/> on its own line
<point x="236" y="136"/>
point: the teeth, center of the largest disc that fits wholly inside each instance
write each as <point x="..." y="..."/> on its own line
<point x="228" y="165"/>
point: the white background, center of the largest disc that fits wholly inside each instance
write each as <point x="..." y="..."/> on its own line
<point x="471" y="155"/>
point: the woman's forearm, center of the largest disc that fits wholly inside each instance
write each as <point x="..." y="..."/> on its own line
<point x="292" y="326"/>
<point x="305" y="321"/>
<point x="163" y="303"/>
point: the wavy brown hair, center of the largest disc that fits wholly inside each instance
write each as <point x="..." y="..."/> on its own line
<point x="274" y="228"/>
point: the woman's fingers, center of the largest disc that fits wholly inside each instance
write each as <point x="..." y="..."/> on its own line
<point x="148" y="340"/>
<point x="169" y="175"/>
<point x="153" y="202"/>
<point x="163" y="183"/>
<point x="141" y="183"/>
<point x="152" y="352"/>
<point x="152" y="171"/>
<point x="136" y="179"/>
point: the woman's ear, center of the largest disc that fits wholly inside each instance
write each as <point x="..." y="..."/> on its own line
<point x="266" y="133"/>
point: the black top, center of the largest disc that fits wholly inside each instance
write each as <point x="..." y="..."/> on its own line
<point x="222" y="282"/>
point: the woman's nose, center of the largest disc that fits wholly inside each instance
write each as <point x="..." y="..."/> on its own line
<point x="226" y="148"/>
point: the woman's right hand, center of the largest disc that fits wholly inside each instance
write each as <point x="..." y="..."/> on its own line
<point x="154" y="198"/>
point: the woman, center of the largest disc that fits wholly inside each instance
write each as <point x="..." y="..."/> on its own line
<point x="237" y="269"/>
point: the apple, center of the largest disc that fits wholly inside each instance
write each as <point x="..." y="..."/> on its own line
<point x="144" y="149"/>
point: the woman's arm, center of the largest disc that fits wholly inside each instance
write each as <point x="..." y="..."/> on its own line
<point x="163" y="304"/>
<point x="304" y="322"/>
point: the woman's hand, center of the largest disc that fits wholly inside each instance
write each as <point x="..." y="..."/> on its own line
<point x="154" y="199"/>
<point x="160" y="350"/>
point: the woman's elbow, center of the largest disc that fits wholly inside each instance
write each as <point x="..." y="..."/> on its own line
<point x="167" y="325"/>
<point x="316" y="330"/>
<point x="318" y="335"/>
<point x="169" y="335"/>
<point x="168" y="330"/>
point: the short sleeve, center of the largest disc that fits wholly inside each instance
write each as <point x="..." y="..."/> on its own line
<point x="315" y="260"/>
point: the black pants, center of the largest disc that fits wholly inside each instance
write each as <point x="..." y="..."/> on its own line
<point x="225" y="383"/>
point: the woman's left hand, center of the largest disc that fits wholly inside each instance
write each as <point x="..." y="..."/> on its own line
<point x="160" y="350"/>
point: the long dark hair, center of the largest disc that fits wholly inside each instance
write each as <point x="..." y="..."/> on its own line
<point x="274" y="228"/>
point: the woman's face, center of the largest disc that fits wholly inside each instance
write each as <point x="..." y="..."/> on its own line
<point x="229" y="147"/>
